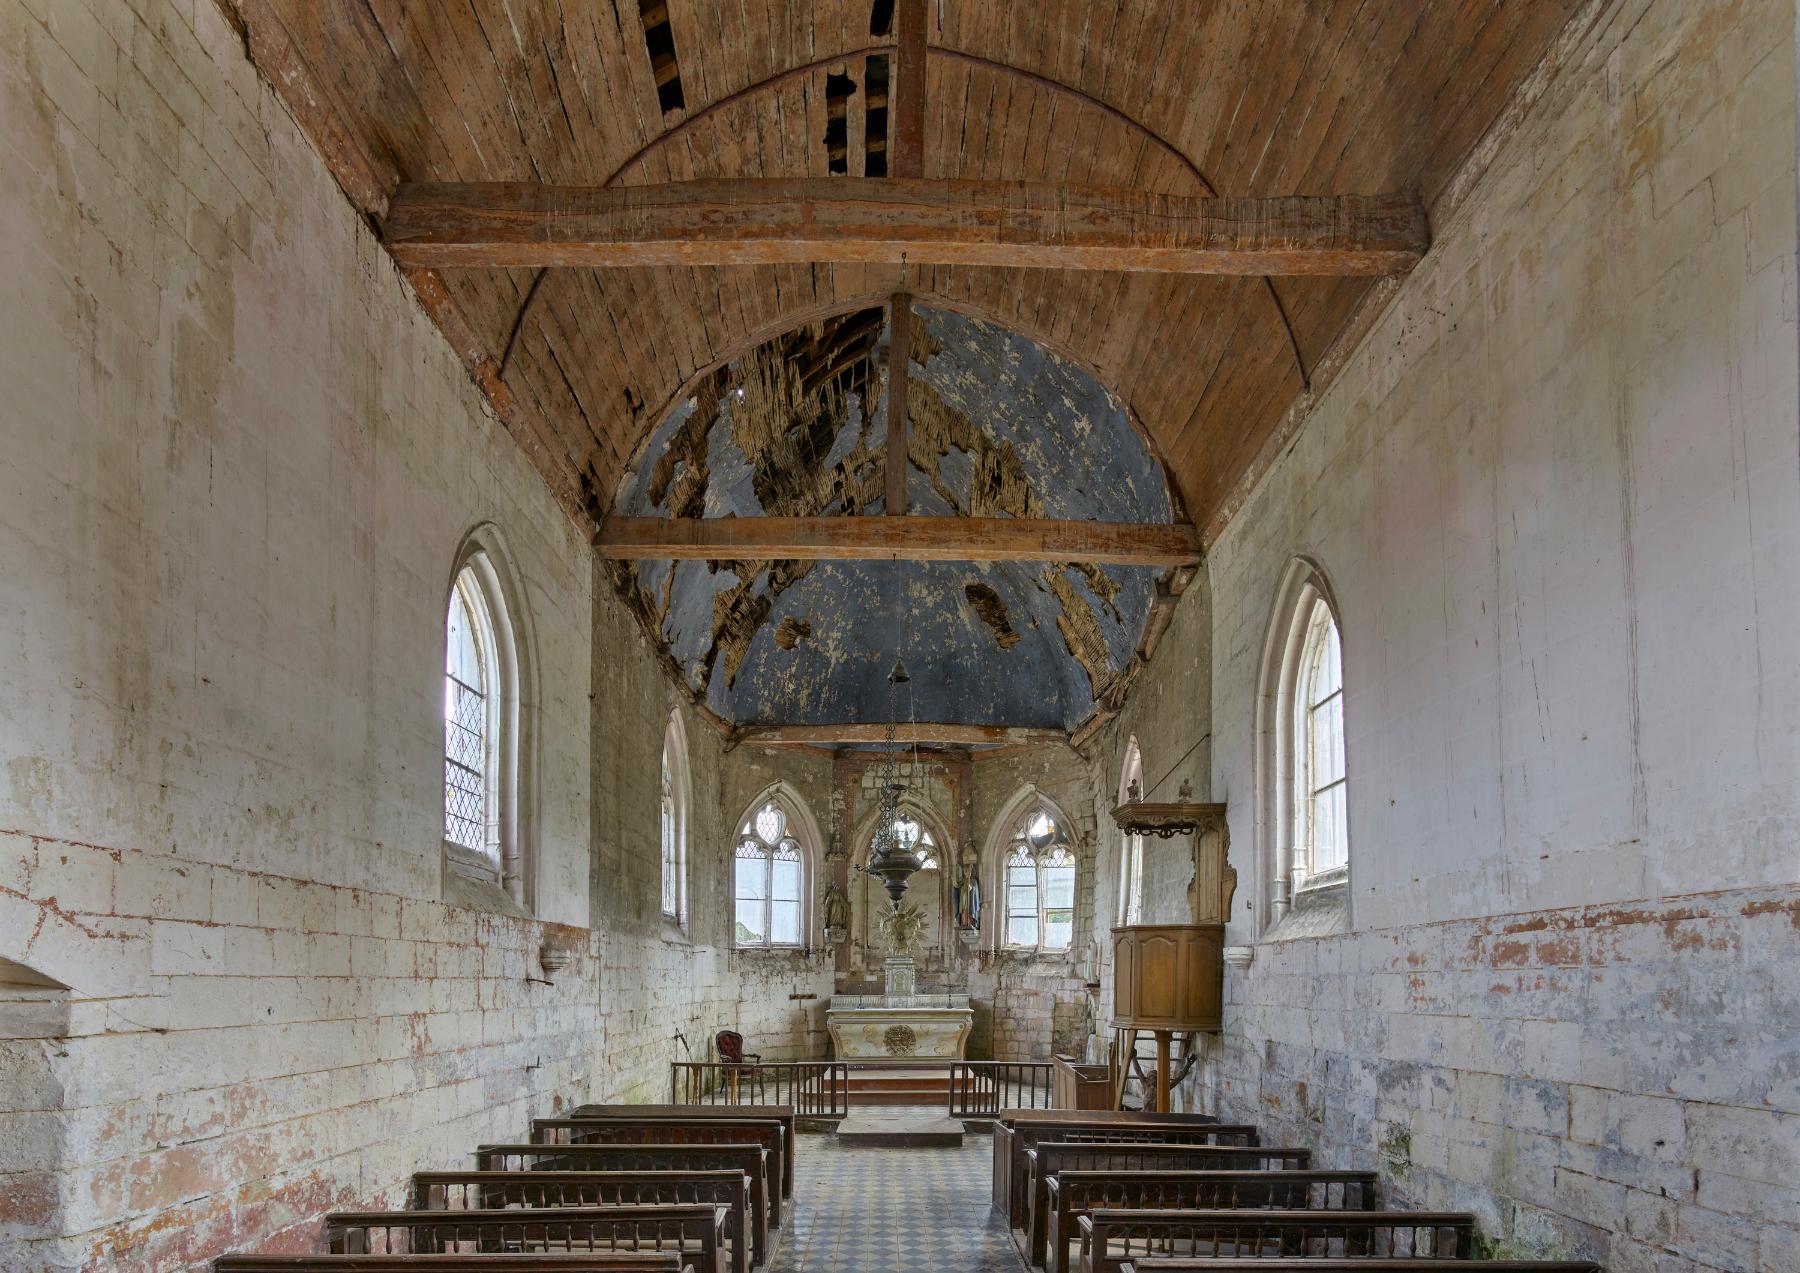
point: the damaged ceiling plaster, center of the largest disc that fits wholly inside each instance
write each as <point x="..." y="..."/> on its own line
<point x="999" y="427"/>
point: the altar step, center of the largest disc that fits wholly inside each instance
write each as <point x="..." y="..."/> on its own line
<point x="900" y="1087"/>
<point x="908" y="1130"/>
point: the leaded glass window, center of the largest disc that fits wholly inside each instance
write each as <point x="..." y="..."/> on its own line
<point x="769" y="881"/>
<point x="1040" y="886"/>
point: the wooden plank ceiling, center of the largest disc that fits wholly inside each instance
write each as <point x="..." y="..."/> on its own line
<point x="1256" y="98"/>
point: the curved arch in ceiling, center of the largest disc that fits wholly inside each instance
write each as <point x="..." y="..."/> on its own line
<point x="773" y="82"/>
<point x="797" y="426"/>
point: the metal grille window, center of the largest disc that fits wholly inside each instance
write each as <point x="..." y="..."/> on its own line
<point x="768" y="874"/>
<point x="469" y="721"/>
<point x="1040" y="886"/>
<point x="1320" y="835"/>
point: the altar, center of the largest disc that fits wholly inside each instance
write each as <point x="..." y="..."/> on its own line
<point x="888" y="1027"/>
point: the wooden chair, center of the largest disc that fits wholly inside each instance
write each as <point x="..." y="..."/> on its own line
<point x="492" y="1190"/>
<point x="1111" y="1239"/>
<point x="1072" y="1194"/>
<point x="731" y="1052"/>
<point x="695" y="1233"/>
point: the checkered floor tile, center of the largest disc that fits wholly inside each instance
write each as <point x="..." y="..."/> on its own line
<point x="879" y="1210"/>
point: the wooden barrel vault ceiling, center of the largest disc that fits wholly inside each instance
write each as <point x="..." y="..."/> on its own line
<point x="1198" y="102"/>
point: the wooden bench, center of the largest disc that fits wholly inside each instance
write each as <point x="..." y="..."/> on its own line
<point x="751" y="1160"/>
<point x="1027" y="1133"/>
<point x="1110" y="1239"/>
<point x="491" y="1190"/>
<point x="1007" y="1120"/>
<point x="766" y="1132"/>
<point x="782" y="1113"/>
<point x="1355" y="1264"/>
<point x="1050" y="1157"/>
<point x="1072" y="1194"/>
<point x="549" y="1262"/>
<point x="696" y="1233"/>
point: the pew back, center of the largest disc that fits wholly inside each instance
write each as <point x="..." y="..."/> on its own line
<point x="1111" y="1238"/>
<point x="1025" y="1133"/>
<point x="784" y="1114"/>
<point x="697" y="1233"/>
<point x="1071" y="1194"/>
<point x="492" y="1190"/>
<point x="752" y="1160"/>
<point x="548" y="1262"/>
<point x="766" y="1132"/>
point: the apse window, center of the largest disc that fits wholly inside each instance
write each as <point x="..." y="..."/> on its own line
<point x="1321" y="847"/>
<point x="768" y="881"/>
<point x="910" y="832"/>
<point x="1040" y="886"/>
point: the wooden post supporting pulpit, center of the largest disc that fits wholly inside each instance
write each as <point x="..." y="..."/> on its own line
<point x="1169" y="979"/>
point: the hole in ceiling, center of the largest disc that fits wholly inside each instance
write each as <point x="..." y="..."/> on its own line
<point x="991" y="610"/>
<point x="875" y="117"/>
<point x="838" y="89"/>
<point x="881" y="18"/>
<point x="659" y="40"/>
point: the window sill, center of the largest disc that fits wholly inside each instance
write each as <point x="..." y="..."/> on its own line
<point x="674" y="933"/>
<point x="1321" y="909"/>
<point x="470" y="881"/>
<point x="773" y="950"/>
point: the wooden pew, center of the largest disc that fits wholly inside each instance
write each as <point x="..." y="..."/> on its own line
<point x="750" y="1160"/>
<point x="1071" y="1194"/>
<point x="1052" y="1157"/>
<point x="1355" y="1264"/>
<point x="1110" y="1239"/>
<point x="696" y="1233"/>
<point x="1028" y="1132"/>
<point x="766" y="1132"/>
<point x="783" y="1113"/>
<point x="1007" y="1120"/>
<point x="491" y="1190"/>
<point x="549" y="1262"/>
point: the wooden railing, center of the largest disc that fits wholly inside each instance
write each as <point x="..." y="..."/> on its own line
<point x="981" y="1089"/>
<point x="815" y="1089"/>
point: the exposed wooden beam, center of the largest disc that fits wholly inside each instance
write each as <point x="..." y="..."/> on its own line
<point x="774" y="221"/>
<point x="908" y="734"/>
<point x="899" y="342"/>
<point x="909" y="89"/>
<point x="897" y="539"/>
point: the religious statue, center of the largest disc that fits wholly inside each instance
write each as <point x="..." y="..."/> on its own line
<point x="836" y="907"/>
<point x="902" y="926"/>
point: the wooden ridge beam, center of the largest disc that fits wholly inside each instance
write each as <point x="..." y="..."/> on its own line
<point x="896" y="539"/>
<point x="905" y="733"/>
<point x="890" y="220"/>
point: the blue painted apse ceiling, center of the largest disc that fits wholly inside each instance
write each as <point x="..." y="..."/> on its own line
<point x="999" y="427"/>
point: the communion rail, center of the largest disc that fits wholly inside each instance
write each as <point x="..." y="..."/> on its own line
<point x="815" y="1089"/>
<point x="981" y="1089"/>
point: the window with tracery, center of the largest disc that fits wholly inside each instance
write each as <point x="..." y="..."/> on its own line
<point x="769" y="881"/>
<point x="916" y="836"/>
<point x="1131" y="843"/>
<point x="1040" y="885"/>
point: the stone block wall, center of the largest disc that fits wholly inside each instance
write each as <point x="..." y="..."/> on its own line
<point x="1555" y="492"/>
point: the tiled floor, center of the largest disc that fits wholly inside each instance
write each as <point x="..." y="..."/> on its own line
<point x="876" y="1210"/>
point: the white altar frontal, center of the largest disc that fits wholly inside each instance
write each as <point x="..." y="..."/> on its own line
<point x="890" y="1027"/>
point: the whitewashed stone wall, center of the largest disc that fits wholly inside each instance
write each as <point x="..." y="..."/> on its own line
<point x="1555" y="492"/>
<point x="238" y="462"/>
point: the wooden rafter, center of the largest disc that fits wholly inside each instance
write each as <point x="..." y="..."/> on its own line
<point x="861" y="220"/>
<point x="899" y="350"/>
<point x="896" y="538"/>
